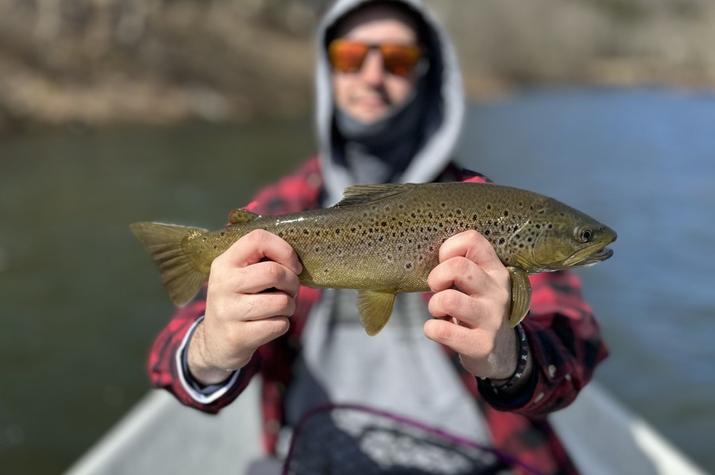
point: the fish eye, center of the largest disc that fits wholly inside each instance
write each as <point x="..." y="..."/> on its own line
<point x="584" y="234"/>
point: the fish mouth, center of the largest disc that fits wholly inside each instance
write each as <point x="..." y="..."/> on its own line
<point x="589" y="256"/>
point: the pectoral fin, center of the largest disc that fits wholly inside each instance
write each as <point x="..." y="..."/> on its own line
<point x="520" y="295"/>
<point x="375" y="309"/>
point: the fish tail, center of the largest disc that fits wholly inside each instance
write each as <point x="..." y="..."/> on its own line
<point x="165" y="243"/>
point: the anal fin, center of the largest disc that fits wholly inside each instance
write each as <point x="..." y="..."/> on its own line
<point x="520" y="295"/>
<point x="375" y="309"/>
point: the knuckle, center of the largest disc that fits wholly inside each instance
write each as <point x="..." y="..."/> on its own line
<point x="443" y="332"/>
<point x="472" y="236"/>
<point x="274" y="271"/>
<point x="281" y="303"/>
<point x="459" y="266"/>
<point x="451" y="300"/>
<point x="255" y="237"/>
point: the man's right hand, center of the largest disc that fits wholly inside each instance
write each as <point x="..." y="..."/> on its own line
<point x="251" y="293"/>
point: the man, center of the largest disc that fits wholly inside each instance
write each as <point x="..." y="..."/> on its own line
<point x="389" y="109"/>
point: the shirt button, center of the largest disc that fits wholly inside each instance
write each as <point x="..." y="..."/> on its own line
<point x="552" y="370"/>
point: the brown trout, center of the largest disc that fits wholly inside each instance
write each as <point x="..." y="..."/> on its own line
<point x="385" y="239"/>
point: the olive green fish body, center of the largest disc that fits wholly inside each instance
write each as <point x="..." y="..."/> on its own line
<point x="385" y="239"/>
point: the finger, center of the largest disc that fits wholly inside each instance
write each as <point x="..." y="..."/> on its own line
<point x="260" y="332"/>
<point x="473" y="246"/>
<point x="266" y="275"/>
<point x="266" y="305"/>
<point x="450" y="334"/>
<point x="259" y="245"/>
<point x="461" y="273"/>
<point x="452" y="303"/>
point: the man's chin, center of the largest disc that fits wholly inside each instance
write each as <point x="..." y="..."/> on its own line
<point x="370" y="115"/>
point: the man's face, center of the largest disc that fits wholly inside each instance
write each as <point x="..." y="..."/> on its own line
<point x="370" y="93"/>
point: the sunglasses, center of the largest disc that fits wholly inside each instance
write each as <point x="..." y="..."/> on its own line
<point x="348" y="56"/>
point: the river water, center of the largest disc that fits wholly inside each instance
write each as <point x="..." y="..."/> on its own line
<point x="80" y="301"/>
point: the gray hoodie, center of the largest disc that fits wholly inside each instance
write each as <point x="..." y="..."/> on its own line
<point x="399" y="370"/>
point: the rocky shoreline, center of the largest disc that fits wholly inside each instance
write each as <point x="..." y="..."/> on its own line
<point x="101" y="63"/>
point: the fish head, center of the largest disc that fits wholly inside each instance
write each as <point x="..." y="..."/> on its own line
<point x="563" y="237"/>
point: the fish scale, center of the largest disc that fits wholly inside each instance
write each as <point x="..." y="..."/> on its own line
<point x="385" y="239"/>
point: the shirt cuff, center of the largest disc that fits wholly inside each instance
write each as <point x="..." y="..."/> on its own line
<point x="198" y="392"/>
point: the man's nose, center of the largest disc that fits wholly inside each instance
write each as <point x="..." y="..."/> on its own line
<point x="373" y="70"/>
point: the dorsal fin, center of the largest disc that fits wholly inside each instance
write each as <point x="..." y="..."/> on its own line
<point x="239" y="215"/>
<point x="359" y="194"/>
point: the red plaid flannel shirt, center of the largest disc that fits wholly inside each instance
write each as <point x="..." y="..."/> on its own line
<point x="563" y="335"/>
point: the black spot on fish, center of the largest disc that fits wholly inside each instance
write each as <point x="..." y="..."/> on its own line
<point x="222" y="233"/>
<point x="384" y="223"/>
<point x="487" y="232"/>
<point x="550" y="226"/>
<point x="502" y="240"/>
<point x="506" y="213"/>
<point x="408" y="265"/>
<point x="489" y="207"/>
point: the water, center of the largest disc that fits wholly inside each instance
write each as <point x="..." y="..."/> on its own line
<point x="81" y="302"/>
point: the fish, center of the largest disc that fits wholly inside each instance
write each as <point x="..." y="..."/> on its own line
<point x="384" y="239"/>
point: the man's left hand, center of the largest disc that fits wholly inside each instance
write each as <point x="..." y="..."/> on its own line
<point x="471" y="305"/>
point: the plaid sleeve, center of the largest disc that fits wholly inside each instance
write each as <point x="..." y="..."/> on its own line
<point x="289" y="194"/>
<point x="565" y="344"/>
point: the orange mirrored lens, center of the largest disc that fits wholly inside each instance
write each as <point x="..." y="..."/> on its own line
<point x="347" y="56"/>
<point x="400" y="60"/>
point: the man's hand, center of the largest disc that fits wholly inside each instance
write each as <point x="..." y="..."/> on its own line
<point x="471" y="303"/>
<point x="251" y="294"/>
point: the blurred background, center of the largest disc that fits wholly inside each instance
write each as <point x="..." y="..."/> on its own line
<point x="114" y="111"/>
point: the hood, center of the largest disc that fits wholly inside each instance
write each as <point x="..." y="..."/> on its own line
<point x="441" y="129"/>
